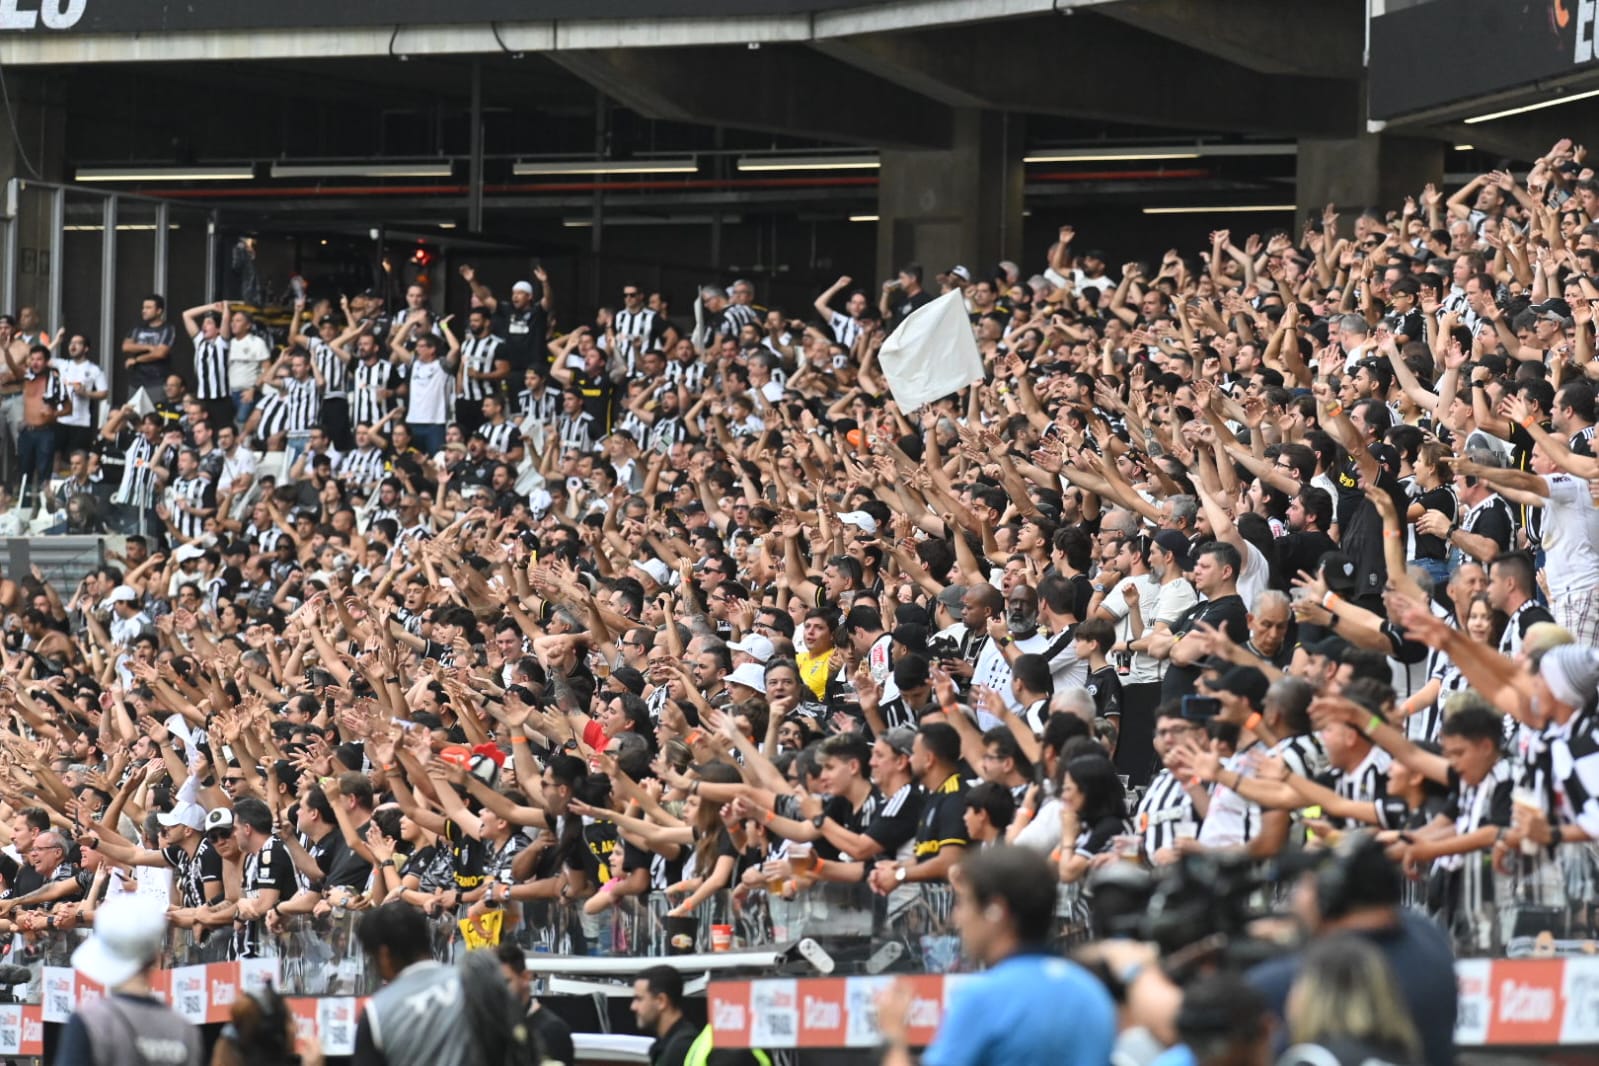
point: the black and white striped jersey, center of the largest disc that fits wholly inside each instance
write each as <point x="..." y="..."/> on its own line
<point x="334" y="366"/>
<point x="545" y="406"/>
<point x="197" y="492"/>
<point x="211" y="368"/>
<point x="636" y="332"/>
<point x="361" y="466"/>
<point x="302" y="398"/>
<point x="138" y="475"/>
<point x="579" y="433"/>
<point x="273" y="416"/>
<point x="369" y="379"/>
<point x="1165" y="807"/>
<point x="690" y="376"/>
<point x="498" y="439"/>
<point x="845" y="329"/>
<point x="1367" y="782"/>
<point x="479" y="354"/>
<point x="740" y="315"/>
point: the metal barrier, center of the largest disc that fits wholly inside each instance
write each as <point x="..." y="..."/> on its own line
<point x="829" y="928"/>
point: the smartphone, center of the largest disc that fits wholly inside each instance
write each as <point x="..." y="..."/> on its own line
<point x="1200" y="708"/>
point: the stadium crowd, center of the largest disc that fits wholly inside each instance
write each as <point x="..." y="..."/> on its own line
<point x="1234" y="553"/>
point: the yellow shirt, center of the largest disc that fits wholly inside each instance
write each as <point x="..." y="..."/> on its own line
<point x="814" y="669"/>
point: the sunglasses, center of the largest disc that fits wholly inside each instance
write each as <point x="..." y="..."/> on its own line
<point x="219" y="834"/>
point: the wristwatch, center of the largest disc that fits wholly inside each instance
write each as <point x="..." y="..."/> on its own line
<point x="819" y="819"/>
<point x="899" y="875"/>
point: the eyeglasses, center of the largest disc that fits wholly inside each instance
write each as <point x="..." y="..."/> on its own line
<point x="37" y="848"/>
<point x="631" y="295"/>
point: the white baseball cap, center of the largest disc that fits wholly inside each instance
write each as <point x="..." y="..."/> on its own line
<point x="756" y="646"/>
<point x="523" y="286"/>
<point x="189" y="814"/>
<point x="860" y="519"/>
<point x="657" y="570"/>
<point x="129" y="930"/>
<point x="121" y="594"/>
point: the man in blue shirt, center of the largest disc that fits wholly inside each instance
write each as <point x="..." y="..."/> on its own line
<point x="1031" y="1006"/>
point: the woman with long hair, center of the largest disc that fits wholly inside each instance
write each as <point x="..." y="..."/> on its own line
<point x="1093" y="813"/>
<point x="1346" y="1007"/>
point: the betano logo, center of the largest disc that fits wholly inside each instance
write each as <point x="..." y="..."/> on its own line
<point x="823" y="1013"/>
<point x="29" y="14"/>
<point x="1525" y="1003"/>
<point x="729" y="1017"/>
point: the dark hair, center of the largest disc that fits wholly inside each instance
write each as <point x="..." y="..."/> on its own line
<point x="1032" y="670"/>
<point x="941" y="740"/>
<point x="847" y="746"/>
<point x="1020" y="878"/>
<point x="1226" y="555"/>
<point x="994" y="800"/>
<point x="1102" y="792"/>
<point x="1474" y="724"/>
<point x="1098" y="630"/>
<point x="255" y="814"/>
<point x="397" y="926"/>
<point x="663" y="981"/>
<point x="1521" y="570"/>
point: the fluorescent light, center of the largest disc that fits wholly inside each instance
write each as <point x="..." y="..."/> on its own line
<point x="123" y="227"/>
<point x="1099" y="157"/>
<point x="1464" y="147"/>
<point x="244" y="173"/>
<point x="1227" y="209"/>
<point x="1132" y="153"/>
<point x="689" y="165"/>
<point x="583" y="222"/>
<point x="361" y="170"/>
<point x="807" y="162"/>
<point x="863" y="218"/>
<point x="446" y="225"/>
<point x="1539" y="106"/>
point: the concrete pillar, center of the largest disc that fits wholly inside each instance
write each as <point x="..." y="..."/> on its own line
<point x="940" y="207"/>
<point x="1369" y="170"/>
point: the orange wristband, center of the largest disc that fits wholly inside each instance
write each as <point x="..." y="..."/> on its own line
<point x="1529" y="422"/>
<point x="1252" y="722"/>
<point x="766" y="819"/>
<point x="519" y="740"/>
<point x="693" y="738"/>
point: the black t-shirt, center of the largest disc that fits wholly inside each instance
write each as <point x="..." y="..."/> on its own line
<point x="1440" y="499"/>
<point x="1360" y="527"/>
<point x="903" y="304"/>
<point x="270" y="868"/>
<point x="526" y="335"/>
<point x="594" y="858"/>
<point x="554" y="1036"/>
<point x="348" y="869"/>
<point x="1301" y="551"/>
<point x="468" y="855"/>
<point x="1411" y="327"/>
<point x="324" y="853"/>
<point x="1226" y="613"/>
<point x="943" y="821"/>
<point x="1096" y="839"/>
<point x="194" y="872"/>
<point x="1494" y="522"/>
<point x="1105" y="686"/>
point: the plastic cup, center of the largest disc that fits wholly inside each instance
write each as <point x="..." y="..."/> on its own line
<point x="721" y="938"/>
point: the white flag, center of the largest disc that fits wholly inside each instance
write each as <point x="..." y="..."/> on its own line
<point x="932" y="354"/>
